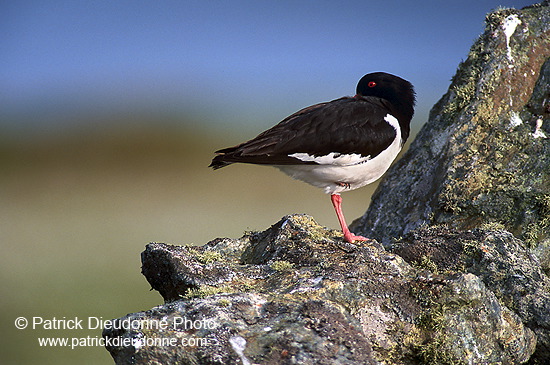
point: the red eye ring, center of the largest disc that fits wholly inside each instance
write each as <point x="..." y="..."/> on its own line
<point x="371" y="84"/>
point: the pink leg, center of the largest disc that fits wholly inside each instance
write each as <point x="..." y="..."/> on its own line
<point x="348" y="236"/>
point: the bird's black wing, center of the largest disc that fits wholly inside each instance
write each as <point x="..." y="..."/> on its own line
<point x="349" y="125"/>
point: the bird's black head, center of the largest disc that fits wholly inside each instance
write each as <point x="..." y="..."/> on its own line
<point x="399" y="92"/>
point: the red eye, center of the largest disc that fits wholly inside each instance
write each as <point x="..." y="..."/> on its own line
<point x="371" y="84"/>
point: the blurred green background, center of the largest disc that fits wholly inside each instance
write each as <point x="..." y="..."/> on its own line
<point x="78" y="209"/>
<point x="110" y="113"/>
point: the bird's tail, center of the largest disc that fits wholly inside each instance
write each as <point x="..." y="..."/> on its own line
<point x="218" y="162"/>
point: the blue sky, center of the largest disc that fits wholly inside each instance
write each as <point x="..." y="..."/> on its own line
<point x="234" y="62"/>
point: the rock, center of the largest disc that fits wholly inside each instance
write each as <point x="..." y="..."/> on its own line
<point x="484" y="154"/>
<point x="482" y="160"/>
<point x="297" y="293"/>
<point x="498" y="259"/>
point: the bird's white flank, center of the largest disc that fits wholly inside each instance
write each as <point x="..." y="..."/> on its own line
<point x="335" y="172"/>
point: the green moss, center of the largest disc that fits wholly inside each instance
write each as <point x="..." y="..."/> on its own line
<point x="534" y="232"/>
<point x="209" y="257"/>
<point x="426" y="263"/>
<point x="543" y="202"/>
<point x="434" y="348"/>
<point x="531" y="234"/>
<point x="433" y="352"/>
<point x="223" y="302"/>
<point x="315" y="232"/>
<point x="281" y="265"/>
<point x="204" y="291"/>
<point x="432" y="319"/>
<point x="433" y="342"/>
<point x="437" y="345"/>
<point x="464" y="83"/>
<point x="492" y="226"/>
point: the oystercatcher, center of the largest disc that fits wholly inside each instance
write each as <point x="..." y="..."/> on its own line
<point x="338" y="145"/>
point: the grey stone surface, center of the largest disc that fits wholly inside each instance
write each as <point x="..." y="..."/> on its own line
<point x="500" y="260"/>
<point x="297" y="293"/>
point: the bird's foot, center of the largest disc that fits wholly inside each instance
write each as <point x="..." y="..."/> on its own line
<point x="350" y="244"/>
<point x="351" y="238"/>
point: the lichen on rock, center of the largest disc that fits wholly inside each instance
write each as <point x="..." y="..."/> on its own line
<point x="297" y="293"/>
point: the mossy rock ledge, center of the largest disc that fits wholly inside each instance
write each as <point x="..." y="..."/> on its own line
<point x="298" y="294"/>
<point x="456" y="273"/>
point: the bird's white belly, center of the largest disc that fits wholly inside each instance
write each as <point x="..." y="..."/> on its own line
<point x="338" y="172"/>
<point x="337" y="178"/>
